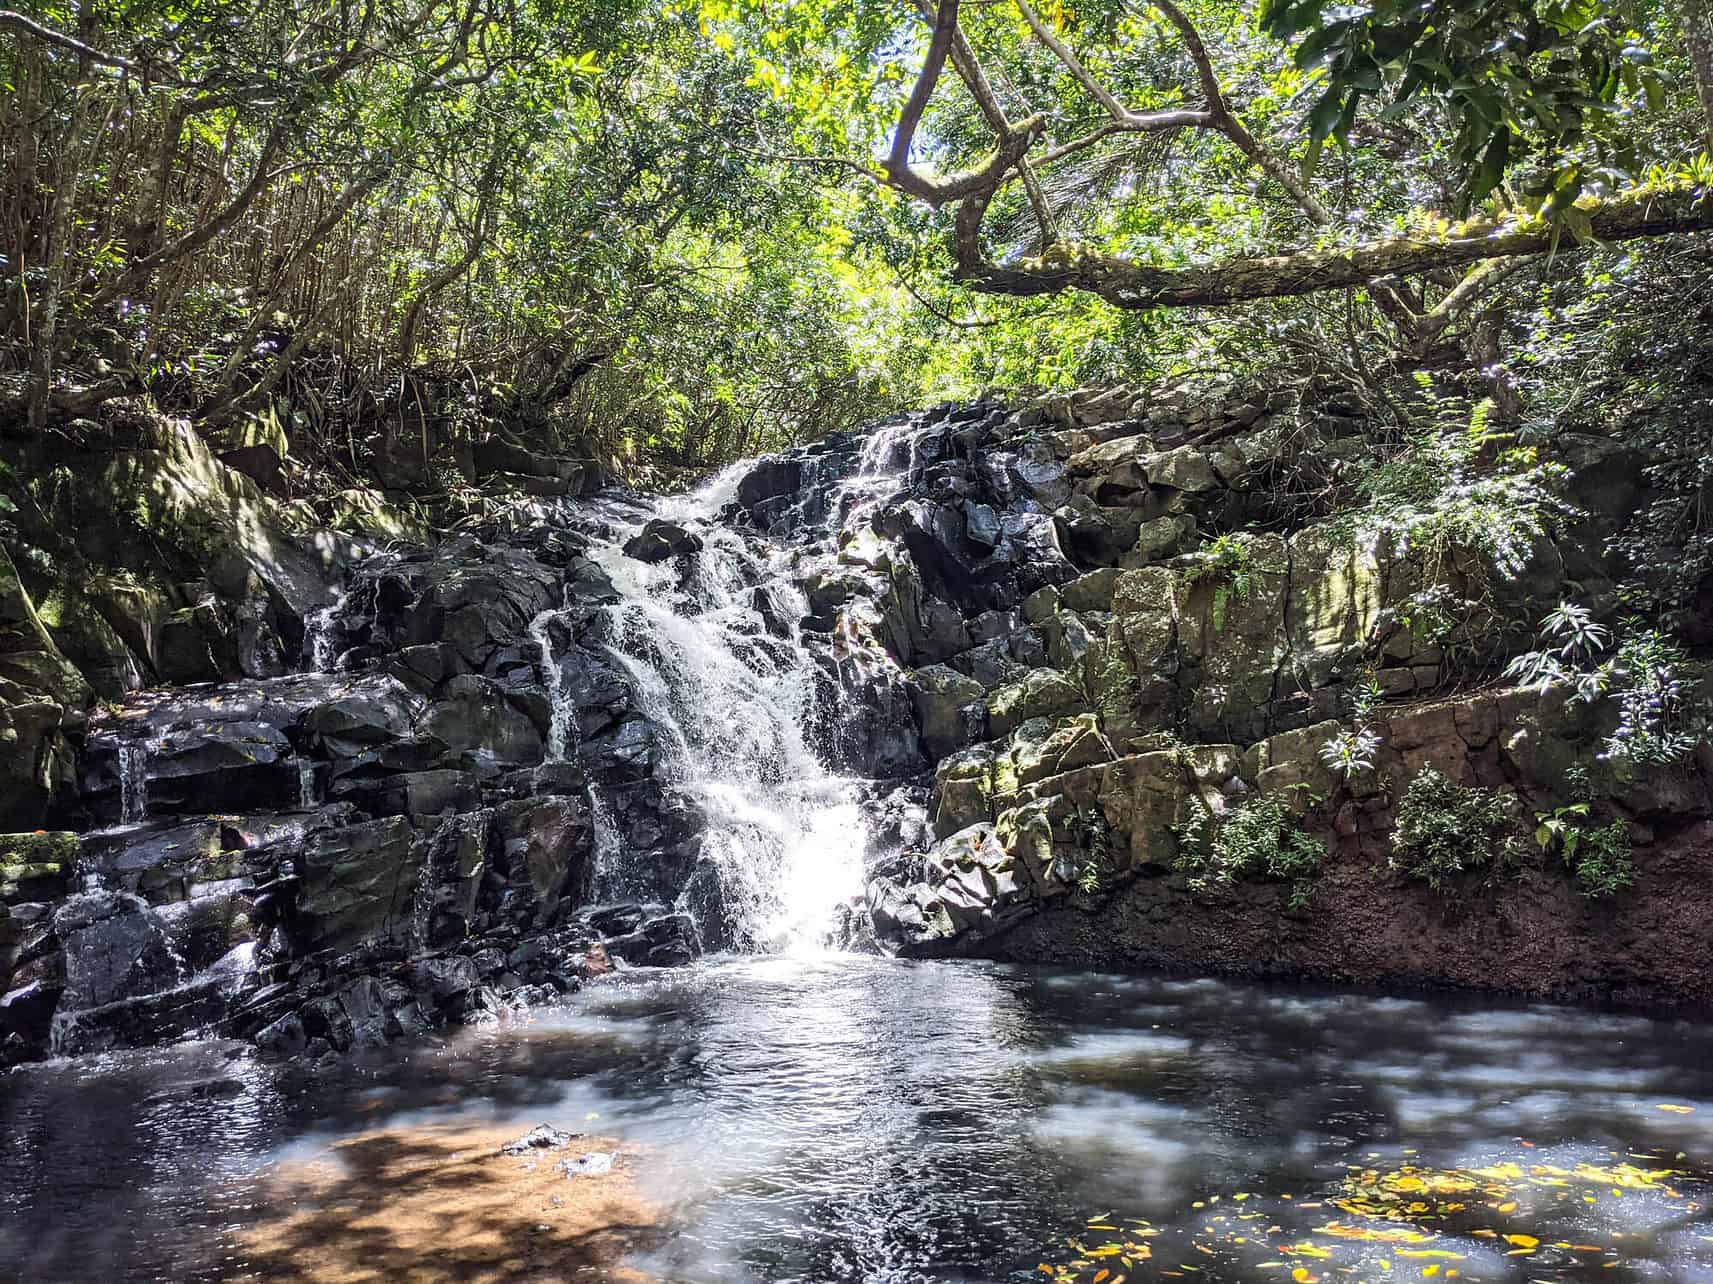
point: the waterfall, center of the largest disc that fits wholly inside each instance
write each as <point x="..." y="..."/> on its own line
<point x="730" y="701"/>
<point x="133" y="783"/>
<point x="562" y="725"/>
<point x="321" y="636"/>
<point x="308" y="794"/>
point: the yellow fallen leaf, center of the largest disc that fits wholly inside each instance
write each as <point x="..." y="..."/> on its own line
<point x="1302" y="1275"/>
<point x="1677" y="1110"/>
<point x="1523" y="1241"/>
<point x="1428" y="1272"/>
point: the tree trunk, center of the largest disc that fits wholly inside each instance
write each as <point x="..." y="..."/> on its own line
<point x="1698" y="35"/>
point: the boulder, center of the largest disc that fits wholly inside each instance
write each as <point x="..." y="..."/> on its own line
<point x="660" y="540"/>
<point x="548" y="848"/>
<point x="358" y="886"/>
<point x="480" y="719"/>
<point x="949" y="709"/>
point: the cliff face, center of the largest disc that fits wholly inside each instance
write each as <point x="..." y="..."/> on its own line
<point x="1124" y="622"/>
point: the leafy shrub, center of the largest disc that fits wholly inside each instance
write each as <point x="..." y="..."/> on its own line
<point x="1601" y="859"/>
<point x="1645" y="673"/>
<point x="1438" y="494"/>
<point x="1259" y="838"/>
<point x="1089" y="826"/>
<point x="1445" y="829"/>
<point x="1604" y="863"/>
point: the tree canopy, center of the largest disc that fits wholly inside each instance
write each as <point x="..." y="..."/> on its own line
<point x="707" y="227"/>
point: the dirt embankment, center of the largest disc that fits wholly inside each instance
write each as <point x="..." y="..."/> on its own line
<point x="1526" y="934"/>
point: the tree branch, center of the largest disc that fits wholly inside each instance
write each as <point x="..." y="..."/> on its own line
<point x="1645" y="213"/>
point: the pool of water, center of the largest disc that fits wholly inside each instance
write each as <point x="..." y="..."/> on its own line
<point x="836" y="1118"/>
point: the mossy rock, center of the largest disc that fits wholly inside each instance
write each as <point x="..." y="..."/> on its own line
<point x="44" y="847"/>
<point x="37" y="866"/>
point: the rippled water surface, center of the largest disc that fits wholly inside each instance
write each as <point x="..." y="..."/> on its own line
<point x="851" y="1119"/>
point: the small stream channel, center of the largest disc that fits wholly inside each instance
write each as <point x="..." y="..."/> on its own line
<point x="834" y="1118"/>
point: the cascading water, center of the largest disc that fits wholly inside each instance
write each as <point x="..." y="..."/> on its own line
<point x="308" y="791"/>
<point x="321" y="636"/>
<point x="562" y="725"/>
<point x="699" y="640"/>
<point x="133" y="783"/>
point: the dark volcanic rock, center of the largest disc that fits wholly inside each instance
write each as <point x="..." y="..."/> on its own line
<point x="660" y="540"/>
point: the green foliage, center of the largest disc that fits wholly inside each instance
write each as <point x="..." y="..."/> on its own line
<point x="1519" y="79"/>
<point x="1257" y="838"/>
<point x="1646" y="675"/>
<point x="1605" y="864"/>
<point x="1354" y="751"/>
<point x="1445" y="829"/>
<point x="1446" y="495"/>
<point x="1600" y="858"/>
<point x="1224" y="563"/>
<point x="1093" y="833"/>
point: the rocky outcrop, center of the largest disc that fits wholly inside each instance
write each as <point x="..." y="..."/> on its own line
<point x="1118" y="620"/>
<point x="318" y="860"/>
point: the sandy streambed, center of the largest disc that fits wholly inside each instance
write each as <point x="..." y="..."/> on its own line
<point x="445" y="1203"/>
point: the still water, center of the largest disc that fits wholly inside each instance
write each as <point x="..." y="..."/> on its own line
<point x="836" y="1118"/>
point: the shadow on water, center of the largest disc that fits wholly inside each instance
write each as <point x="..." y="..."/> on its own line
<point x="850" y="1119"/>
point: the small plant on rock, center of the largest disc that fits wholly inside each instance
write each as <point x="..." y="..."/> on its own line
<point x="1445" y="829"/>
<point x="1225" y="563"/>
<point x="1353" y="752"/>
<point x="1089" y="826"/>
<point x="1600" y="858"/>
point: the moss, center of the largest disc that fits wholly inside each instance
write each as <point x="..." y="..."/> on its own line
<point x="43" y="847"/>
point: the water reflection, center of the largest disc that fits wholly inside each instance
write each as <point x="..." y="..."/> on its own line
<point x="852" y="1119"/>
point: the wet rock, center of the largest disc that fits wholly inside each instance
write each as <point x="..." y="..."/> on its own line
<point x="443" y="980"/>
<point x="37" y="867"/>
<point x="540" y="1137"/>
<point x="594" y="1164"/>
<point x="669" y="940"/>
<point x="116" y="948"/>
<point x="374" y="711"/>
<point x="548" y="847"/>
<point x="478" y="717"/>
<point x="771" y="478"/>
<point x="949" y="709"/>
<point x="283" y="1038"/>
<point x="358" y="885"/>
<point x="660" y="540"/>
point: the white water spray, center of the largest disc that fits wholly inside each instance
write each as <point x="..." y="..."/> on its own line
<point x="562" y="726"/>
<point x="731" y="702"/>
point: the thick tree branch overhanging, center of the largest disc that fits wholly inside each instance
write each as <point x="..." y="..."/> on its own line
<point x="1377" y="265"/>
<point x="1655" y="212"/>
